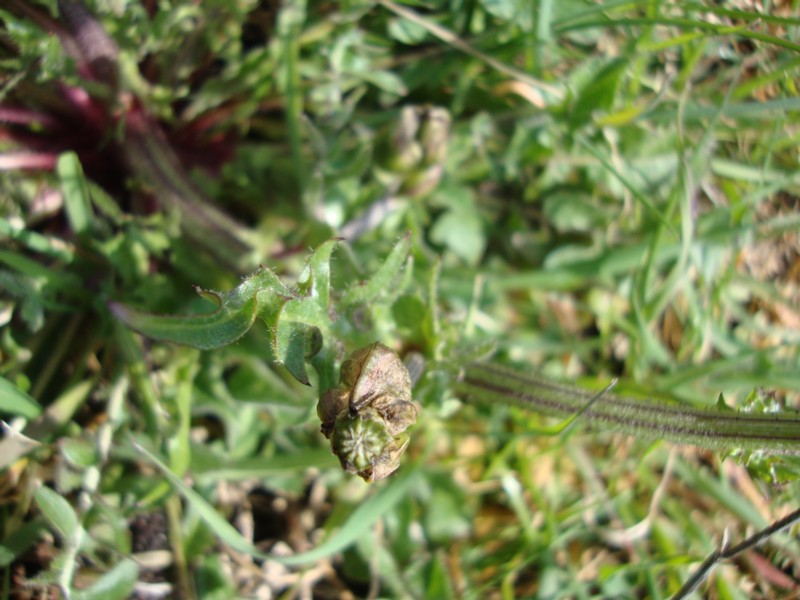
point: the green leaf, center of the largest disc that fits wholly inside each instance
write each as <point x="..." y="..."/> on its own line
<point x="16" y="402"/>
<point x="232" y="319"/>
<point x="599" y="94"/>
<point x="57" y="278"/>
<point x="19" y="540"/>
<point x="460" y="229"/>
<point x="57" y="511"/>
<point x="47" y="245"/>
<point x="357" y="525"/>
<point x="315" y="280"/>
<point x="406" y="32"/>
<point x="386" y="81"/>
<point x="76" y="192"/>
<point x="180" y="452"/>
<point x="462" y="233"/>
<point x="116" y="584"/>
<point x="289" y="315"/>
<point x="360" y="522"/>
<point x="60" y="411"/>
<point x="208" y="466"/>
<point x="642" y="417"/>
<point x="226" y="532"/>
<point x="293" y="321"/>
<point x="381" y="281"/>
<point x="438" y="583"/>
<point x="79" y="452"/>
<point x="290" y="348"/>
<point x="294" y="334"/>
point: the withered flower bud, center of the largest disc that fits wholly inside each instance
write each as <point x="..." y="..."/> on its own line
<point x="411" y="154"/>
<point x="433" y="135"/>
<point x="367" y="414"/>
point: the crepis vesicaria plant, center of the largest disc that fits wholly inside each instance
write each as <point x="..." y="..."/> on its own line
<point x="366" y="416"/>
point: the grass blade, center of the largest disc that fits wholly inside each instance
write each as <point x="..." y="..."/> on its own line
<point x="16" y="402"/>
<point x="357" y="525"/>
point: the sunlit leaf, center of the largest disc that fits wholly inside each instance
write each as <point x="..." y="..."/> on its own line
<point x="225" y="325"/>
<point x="381" y="281"/>
<point x="16" y="402"/>
<point x="116" y="584"/>
<point x="76" y="193"/>
<point x="359" y="523"/>
<point x="58" y="512"/>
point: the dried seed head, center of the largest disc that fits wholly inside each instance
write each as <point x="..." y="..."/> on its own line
<point x="367" y="414"/>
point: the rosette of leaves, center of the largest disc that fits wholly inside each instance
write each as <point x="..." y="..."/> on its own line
<point x="107" y="114"/>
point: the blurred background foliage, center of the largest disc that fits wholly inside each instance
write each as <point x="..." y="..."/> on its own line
<point x="596" y="189"/>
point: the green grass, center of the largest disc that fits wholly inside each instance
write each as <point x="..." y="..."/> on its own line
<point x="618" y="197"/>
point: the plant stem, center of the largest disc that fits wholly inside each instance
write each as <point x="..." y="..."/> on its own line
<point x="725" y="552"/>
<point x="184" y="582"/>
<point x="706" y="427"/>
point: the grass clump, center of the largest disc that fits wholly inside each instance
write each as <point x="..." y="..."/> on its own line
<point x="586" y="190"/>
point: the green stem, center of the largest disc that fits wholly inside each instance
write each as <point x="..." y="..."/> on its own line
<point x="711" y="428"/>
<point x="176" y="537"/>
<point x="134" y="358"/>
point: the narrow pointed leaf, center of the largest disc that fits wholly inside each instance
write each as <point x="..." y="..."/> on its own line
<point x="16" y="402"/>
<point x="76" y="193"/>
<point x="381" y="281"/>
<point x="19" y="540"/>
<point x="315" y="280"/>
<point x="226" y="532"/>
<point x="116" y="584"/>
<point x="224" y="326"/>
<point x="259" y="294"/>
<point x="358" y="524"/>
<point x="290" y="348"/>
<point x="58" y="512"/>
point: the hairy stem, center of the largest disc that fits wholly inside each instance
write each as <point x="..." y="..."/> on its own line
<point x="707" y="427"/>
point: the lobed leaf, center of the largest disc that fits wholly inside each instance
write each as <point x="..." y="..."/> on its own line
<point x="291" y="316"/>
<point x="235" y="314"/>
